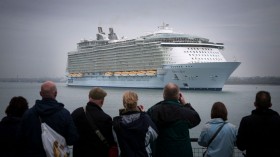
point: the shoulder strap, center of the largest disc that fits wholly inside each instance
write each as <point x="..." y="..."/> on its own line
<point x="216" y="133"/>
<point x="94" y="128"/>
<point x="40" y="119"/>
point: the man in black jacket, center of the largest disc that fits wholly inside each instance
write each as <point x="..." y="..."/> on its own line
<point x="89" y="143"/>
<point x="259" y="133"/>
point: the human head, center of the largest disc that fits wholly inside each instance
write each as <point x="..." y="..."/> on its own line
<point x="17" y="107"/>
<point x="48" y="90"/>
<point x="263" y="100"/>
<point x="219" y="110"/>
<point x="130" y="100"/>
<point x="171" y="91"/>
<point x="97" y="93"/>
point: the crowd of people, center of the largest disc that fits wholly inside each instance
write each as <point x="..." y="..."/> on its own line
<point x="161" y="131"/>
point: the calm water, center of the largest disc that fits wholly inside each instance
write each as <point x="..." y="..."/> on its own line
<point x="237" y="98"/>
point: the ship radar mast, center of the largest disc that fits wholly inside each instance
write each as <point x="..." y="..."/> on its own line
<point x="164" y="28"/>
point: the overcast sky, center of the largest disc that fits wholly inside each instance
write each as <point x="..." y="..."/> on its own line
<point x="36" y="35"/>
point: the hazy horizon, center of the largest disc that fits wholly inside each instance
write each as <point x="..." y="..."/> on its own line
<point x="35" y="36"/>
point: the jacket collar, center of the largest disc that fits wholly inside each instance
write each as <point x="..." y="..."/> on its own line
<point x="171" y="101"/>
<point x="91" y="106"/>
<point x="264" y="112"/>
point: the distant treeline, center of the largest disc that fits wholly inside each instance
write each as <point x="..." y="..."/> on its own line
<point x="270" y="80"/>
<point x="232" y="80"/>
<point x="43" y="79"/>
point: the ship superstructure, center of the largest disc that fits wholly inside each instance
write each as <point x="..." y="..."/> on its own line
<point x="149" y="61"/>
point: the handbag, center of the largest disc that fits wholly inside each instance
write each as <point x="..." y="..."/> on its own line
<point x="213" y="137"/>
<point x="54" y="144"/>
<point x="113" y="150"/>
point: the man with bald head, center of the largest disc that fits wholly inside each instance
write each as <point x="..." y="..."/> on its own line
<point x="53" y="113"/>
<point x="48" y="90"/>
<point x="173" y="118"/>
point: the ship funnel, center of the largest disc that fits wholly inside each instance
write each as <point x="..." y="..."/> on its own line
<point x="101" y="34"/>
<point x="100" y="30"/>
<point x="112" y="35"/>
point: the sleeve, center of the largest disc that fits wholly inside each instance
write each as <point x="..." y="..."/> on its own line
<point x="241" y="136"/>
<point x="21" y="136"/>
<point x="191" y="115"/>
<point x="204" y="136"/>
<point x="108" y="132"/>
<point x="72" y="133"/>
<point x="152" y="130"/>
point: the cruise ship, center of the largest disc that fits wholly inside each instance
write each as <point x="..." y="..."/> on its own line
<point x="149" y="61"/>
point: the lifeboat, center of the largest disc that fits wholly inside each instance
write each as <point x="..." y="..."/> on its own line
<point x="151" y="73"/>
<point x="75" y="75"/>
<point x="132" y="73"/>
<point x="108" y="74"/>
<point x="141" y="73"/>
<point x="125" y="73"/>
<point x="117" y="73"/>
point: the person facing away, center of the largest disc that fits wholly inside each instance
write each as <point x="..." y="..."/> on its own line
<point x="223" y="143"/>
<point x="9" y="126"/>
<point x="173" y="118"/>
<point x="134" y="129"/>
<point x="259" y="133"/>
<point x="89" y="144"/>
<point x="51" y="112"/>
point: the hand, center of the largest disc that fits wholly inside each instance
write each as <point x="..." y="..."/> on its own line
<point x="182" y="99"/>
<point x="140" y="107"/>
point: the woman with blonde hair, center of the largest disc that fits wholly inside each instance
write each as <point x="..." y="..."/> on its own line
<point x="134" y="129"/>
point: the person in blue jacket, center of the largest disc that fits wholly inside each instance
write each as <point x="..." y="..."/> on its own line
<point x="51" y="112"/>
<point x="223" y="143"/>
<point x="134" y="129"/>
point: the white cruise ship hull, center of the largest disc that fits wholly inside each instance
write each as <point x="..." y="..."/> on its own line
<point x="193" y="76"/>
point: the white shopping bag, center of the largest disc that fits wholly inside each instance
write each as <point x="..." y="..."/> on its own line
<point x="54" y="144"/>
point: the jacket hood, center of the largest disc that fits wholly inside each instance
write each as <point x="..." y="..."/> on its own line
<point x="132" y="121"/>
<point x="216" y="121"/>
<point x="47" y="106"/>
